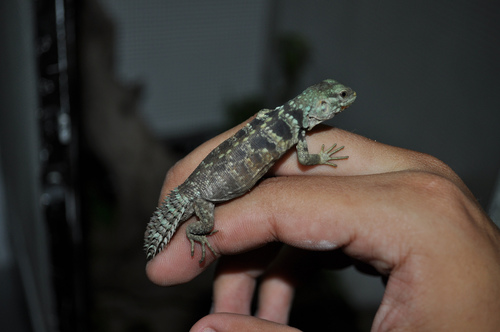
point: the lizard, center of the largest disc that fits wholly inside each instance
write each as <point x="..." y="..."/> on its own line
<point x="234" y="167"/>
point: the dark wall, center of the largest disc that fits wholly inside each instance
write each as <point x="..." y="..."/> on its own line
<point x="426" y="74"/>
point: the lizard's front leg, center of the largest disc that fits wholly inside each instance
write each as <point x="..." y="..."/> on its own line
<point x="322" y="158"/>
<point x="200" y="229"/>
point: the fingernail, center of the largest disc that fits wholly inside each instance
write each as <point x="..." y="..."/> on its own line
<point x="208" y="329"/>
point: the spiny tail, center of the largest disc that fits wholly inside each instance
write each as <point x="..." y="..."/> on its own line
<point x="164" y="223"/>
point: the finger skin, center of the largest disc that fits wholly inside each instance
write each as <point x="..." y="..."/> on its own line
<point x="235" y="279"/>
<point x="232" y="322"/>
<point x="275" y="299"/>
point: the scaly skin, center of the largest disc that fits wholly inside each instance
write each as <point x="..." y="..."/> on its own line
<point x="233" y="167"/>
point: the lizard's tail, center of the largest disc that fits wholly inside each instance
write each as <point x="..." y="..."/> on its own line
<point x="164" y="223"/>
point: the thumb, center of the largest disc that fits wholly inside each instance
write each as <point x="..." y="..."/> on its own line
<point x="234" y="322"/>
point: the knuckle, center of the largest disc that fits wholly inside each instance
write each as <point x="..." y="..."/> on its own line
<point x="437" y="190"/>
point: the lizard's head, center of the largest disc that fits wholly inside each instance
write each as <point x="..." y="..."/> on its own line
<point x="323" y="101"/>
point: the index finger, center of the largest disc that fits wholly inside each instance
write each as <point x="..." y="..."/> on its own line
<point x="365" y="157"/>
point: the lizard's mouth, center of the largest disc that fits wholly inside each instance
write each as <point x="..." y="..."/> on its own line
<point x="313" y="122"/>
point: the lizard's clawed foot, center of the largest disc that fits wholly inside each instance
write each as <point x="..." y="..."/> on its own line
<point x="202" y="239"/>
<point x="327" y="156"/>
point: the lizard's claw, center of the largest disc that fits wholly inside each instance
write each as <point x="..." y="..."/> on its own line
<point x="327" y="156"/>
<point x="202" y="239"/>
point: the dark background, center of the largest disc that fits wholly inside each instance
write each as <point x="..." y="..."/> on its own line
<point x="91" y="120"/>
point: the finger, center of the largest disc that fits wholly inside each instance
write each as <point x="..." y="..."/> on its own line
<point x="275" y="299"/>
<point x="235" y="279"/>
<point x="280" y="209"/>
<point x="234" y="322"/>
<point x="318" y="213"/>
<point x="292" y="268"/>
<point x="365" y="157"/>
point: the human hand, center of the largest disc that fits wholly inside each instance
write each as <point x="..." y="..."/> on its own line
<point x="404" y="213"/>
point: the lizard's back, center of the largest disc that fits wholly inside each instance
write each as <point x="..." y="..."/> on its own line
<point x="234" y="167"/>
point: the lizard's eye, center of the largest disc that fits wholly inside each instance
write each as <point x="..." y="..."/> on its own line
<point x="343" y="94"/>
